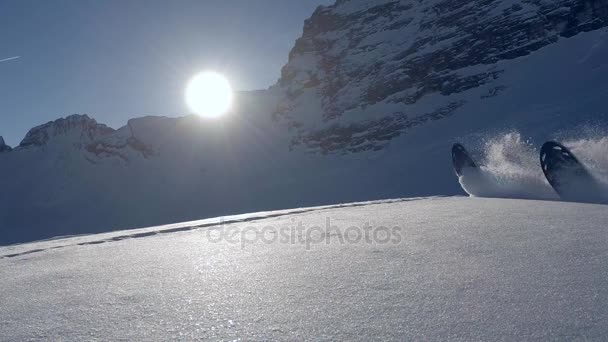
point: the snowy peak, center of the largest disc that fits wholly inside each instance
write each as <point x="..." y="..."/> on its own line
<point x="81" y="127"/>
<point x="94" y="141"/>
<point x="357" y="76"/>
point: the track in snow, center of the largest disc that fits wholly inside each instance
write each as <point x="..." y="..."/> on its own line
<point x="96" y="239"/>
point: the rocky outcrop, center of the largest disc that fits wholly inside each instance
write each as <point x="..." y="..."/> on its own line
<point x="371" y="134"/>
<point x="3" y="146"/>
<point x="357" y="57"/>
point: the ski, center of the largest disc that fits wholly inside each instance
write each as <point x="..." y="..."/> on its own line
<point x="461" y="159"/>
<point x="478" y="181"/>
<point x="568" y="176"/>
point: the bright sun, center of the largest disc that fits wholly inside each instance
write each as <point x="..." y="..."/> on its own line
<point x="209" y="94"/>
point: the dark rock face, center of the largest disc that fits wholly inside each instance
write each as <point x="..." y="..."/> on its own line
<point x="369" y="135"/>
<point x="357" y="56"/>
<point x="3" y="146"/>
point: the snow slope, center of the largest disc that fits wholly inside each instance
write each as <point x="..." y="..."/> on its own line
<point x="441" y="81"/>
<point x="463" y="269"/>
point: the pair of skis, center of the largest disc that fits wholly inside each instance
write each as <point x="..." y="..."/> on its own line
<point x="565" y="173"/>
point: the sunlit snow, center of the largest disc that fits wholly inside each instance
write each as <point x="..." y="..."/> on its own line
<point x="463" y="268"/>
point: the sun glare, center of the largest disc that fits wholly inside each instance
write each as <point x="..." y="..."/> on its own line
<point x="209" y="94"/>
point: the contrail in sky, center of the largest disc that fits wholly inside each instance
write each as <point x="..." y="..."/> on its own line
<point x="9" y="59"/>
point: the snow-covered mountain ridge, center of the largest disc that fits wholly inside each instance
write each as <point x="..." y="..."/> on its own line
<point x="265" y="154"/>
<point x="84" y="133"/>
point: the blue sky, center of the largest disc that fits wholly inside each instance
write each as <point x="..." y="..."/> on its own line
<point x="118" y="59"/>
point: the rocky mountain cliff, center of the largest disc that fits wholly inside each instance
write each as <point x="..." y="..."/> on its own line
<point x="356" y="77"/>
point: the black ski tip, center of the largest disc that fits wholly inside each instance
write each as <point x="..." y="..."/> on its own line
<point x="555" y="156"/>
<point x="461" y="159"/>
<point x="568" y="176"/>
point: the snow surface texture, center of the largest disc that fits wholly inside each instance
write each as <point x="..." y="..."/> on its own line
<point x="76" y="176"/>
<point x="464" y="269"/>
